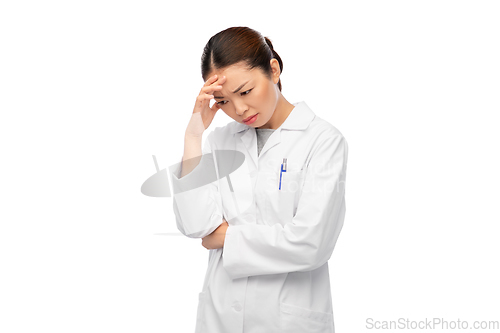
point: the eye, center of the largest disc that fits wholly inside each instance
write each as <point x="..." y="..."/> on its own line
<point x="246" y="92"/>
<point x="221" y="102"/>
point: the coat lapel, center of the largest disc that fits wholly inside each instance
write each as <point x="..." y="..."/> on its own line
<point x="299" y="119"/>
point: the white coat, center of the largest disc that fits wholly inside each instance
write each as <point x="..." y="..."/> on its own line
<point x="272" y="273"/>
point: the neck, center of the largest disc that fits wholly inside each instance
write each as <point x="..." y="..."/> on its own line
<point x="283" y="109"/>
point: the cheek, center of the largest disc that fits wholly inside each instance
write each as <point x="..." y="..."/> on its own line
<point x="261" y="96"/>
<point x="228" y="111"/>
<point x="268" y="94"/>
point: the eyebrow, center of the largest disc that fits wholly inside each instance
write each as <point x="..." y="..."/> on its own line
<point x="234" y="92"/>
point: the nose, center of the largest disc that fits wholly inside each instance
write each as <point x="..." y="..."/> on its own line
<point x="240" y="108"/>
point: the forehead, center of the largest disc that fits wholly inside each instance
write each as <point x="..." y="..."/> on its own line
<point x="237" y="71"/>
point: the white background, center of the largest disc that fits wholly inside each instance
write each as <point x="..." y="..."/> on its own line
<point x="90" y="90"/>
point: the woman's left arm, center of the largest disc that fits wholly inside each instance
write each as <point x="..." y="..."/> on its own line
<point x="307" y="242"/>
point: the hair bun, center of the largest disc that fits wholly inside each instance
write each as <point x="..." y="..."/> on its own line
<point x="275" y="54"/>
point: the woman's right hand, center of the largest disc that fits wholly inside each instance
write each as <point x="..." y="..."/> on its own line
<point x="202" y="105"/>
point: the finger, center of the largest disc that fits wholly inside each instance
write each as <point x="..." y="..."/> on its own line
<point x="221" y="80"/>
<point x="211" y="89"/>
<point x="211" y="80"/>
<point x="215" y="86"/>
<point x="215" y="107"/>
<point x="204" y="97"/>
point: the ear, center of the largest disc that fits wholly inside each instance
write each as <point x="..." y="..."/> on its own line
<point x="275" y="66"/>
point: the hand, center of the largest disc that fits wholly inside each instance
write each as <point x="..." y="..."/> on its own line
<point x="202" y="105"/>
<point x="216" y="239"/>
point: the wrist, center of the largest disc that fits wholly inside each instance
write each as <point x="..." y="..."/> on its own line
<point x="192" y="137"/>
<point x="195" y="127"/>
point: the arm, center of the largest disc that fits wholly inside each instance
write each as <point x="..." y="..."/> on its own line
<point x="192" y="144"/>
<point x="198" y="211"/>
<point x="308" y="241"/>
<point x="198" y="207"/>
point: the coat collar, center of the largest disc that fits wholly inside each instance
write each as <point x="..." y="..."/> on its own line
<point x="299" y="119"/>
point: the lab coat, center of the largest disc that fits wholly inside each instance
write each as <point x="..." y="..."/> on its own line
<point x="272" y="273"/>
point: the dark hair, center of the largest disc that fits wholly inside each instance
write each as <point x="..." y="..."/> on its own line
<point x="237" y="44"/>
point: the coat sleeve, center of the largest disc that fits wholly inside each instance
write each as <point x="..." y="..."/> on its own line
<point x="197" y="209"/>
<point x="307" y="242"/>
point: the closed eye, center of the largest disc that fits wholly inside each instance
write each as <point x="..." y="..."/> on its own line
<point x="242" y="94"/>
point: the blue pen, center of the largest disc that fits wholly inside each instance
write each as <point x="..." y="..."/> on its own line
<point x="283" y="169"/>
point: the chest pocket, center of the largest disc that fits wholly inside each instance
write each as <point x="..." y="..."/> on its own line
<point x="289" y="194"/>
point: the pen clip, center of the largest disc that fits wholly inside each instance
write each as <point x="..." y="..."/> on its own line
<point x="283" y="169"/>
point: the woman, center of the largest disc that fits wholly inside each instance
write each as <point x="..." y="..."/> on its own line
<point x="272" y="225"/>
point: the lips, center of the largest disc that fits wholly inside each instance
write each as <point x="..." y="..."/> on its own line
<point x="247" y="119"/>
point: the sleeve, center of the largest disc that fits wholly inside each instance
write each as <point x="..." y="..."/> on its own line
<point x="197" y="203"/>
<point x="307" y="242"/>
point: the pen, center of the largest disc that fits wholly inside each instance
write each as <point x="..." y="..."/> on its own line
<point x="283" y="169"/>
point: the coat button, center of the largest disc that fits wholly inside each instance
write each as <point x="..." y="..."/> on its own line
<point x="237" y="306"/>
